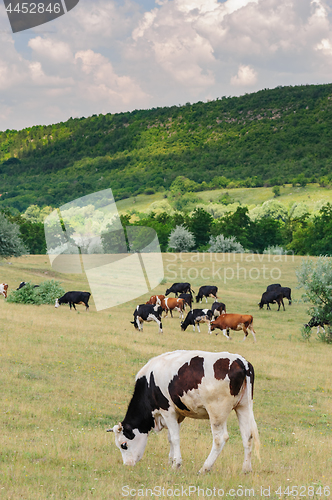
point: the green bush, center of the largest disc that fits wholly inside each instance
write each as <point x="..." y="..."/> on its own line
<point x="45" y="293"/>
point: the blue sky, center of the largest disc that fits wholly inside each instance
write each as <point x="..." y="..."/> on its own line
<point x="108" y="56"/>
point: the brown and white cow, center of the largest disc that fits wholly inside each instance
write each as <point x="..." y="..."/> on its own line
<point x="153" y="299"/>
<point x="194" y="384"/>
<point x="226" y="322"/>
<point x="3" y="289"/>
<point x="170" y="304"/>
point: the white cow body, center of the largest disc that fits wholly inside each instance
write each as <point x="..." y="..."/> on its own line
<point x="195" y="384"/>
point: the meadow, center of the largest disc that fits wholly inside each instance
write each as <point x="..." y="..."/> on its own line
<point x="68" y="376"/>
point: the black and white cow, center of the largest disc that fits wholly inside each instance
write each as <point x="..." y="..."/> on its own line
<point x="316" y="321"/>
<point x="195" y="317"/>
<point x="188" y="299"/>
<point x="285" y="290"/>
<point x="147" y="312"/>
<point x="275" y="296"/>
<point x="194" y="384"/>
<point x="179" y="288"/>
<point x="206" y="291"/>
<point x="23" y="283"/>
<point x="218" y="308"/>
<point x="73" y="298"/>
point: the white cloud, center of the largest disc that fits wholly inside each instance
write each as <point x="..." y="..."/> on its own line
<point x="57" y="51"/>
<point x="246" y="76"/>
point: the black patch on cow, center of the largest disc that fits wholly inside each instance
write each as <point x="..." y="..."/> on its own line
<point x="189" y="377"/>
<point x="251" y="373"/>
<point x="145" y="400"/>
<point x="221" y="367"/>
<point x="236" y="374"/>
<point x="158" y="400"/>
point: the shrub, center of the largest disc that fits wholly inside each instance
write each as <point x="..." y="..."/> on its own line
<point x="181" y="239"/>
<point x="45" y="293"/>
<point x="220" y="244"/>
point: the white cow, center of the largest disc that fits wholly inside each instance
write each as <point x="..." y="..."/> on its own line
<point x="195" y="384"/>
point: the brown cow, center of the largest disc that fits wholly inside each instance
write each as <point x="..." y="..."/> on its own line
<point x="3" y="289"/>
<point x="153" y="299"/>
<point x="169" y="304"/>
<point x="226" y="322"/>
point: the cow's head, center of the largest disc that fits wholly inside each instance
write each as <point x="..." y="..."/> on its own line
<point x="260" y="304"/>
<point x="212" y="327"/>
<point x="130" y="442"/>
<point x="167" y="291"/>
<point x="57" y="303"/>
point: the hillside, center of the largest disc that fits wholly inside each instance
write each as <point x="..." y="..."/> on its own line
<point x="269" y="137"/>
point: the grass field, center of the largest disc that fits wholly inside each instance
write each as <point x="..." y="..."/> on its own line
<point x="312" y="194"/>
<point x="67" y="376"/>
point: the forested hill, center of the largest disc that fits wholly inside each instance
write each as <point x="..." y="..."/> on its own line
<point x="268" y="137"/>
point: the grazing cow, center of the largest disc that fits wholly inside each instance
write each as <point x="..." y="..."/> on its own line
<point x="170" y="303"/>
<point x="226" y="322"/>
<point x="195" y="317"/>
<point x="218" y="308"/>
<point x="73" y="298"/>
<point x="147" y="312"/>
<point x="179" y="288"/>
<point x="188" y="299"/>
<point x="316" y="321"/>
<point x="272" y="298"/>
<point x="194" y="384"/>
<point x="206" y="291"/>
<point x="23" y="283"/>
<point x="3" y="289"/>
<point x="285" y="290"/>
<point x="153" y="299"/>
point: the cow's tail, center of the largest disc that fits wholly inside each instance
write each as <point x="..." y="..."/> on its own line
<point x="250" y="375"/>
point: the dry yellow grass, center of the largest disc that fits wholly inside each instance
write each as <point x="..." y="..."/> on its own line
<point x="67" y="376"/>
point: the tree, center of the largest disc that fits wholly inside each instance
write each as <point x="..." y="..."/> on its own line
<point x="200" y="225"/>
<point x="315" y="277"/>
<point x="181" y="239"/>
<point x="11" y="244"/>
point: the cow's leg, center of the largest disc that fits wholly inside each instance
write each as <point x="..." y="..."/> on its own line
<point x="171" y="313"/>
<point x="283" y="305"/>
<point x="174" y="440"/>
<point x="248" y="429"/>
<point x="250" y="327"/>
<point x="218" y="419"/>
<point x="198" y="327"/>
<point x="268" y="306"/>
<point x="226" y="333"/>
<point x="205" y="298"/>
<point x="138" y="323"/>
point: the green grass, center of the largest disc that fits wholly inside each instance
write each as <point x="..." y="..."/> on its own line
<point x="67" y="376"/>
<point x="312" y="194"/>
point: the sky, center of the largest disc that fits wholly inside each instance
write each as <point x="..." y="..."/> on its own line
<point x="111" y="56"/>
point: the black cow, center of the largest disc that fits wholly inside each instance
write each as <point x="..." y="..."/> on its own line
<point x="188" y="299"/>
<point x="73" y="298"/>
<point x="269" y="288"/>
<point x="207" y="291"/>
<point x="23" y="283"/>
<point x="285" y="290"/>
<point x="271" y="298"/>
<point x="218" y="308"/>
<point x="196" y="317"/>
<point x="147" y="312"/>
<point x="179" y="288"/>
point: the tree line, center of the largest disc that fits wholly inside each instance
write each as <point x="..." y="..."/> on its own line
<point x="303" y="235"/>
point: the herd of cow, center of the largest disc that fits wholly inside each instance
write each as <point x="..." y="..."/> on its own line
<point x="216" y="316"/>
<point x="194" y="384"/>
